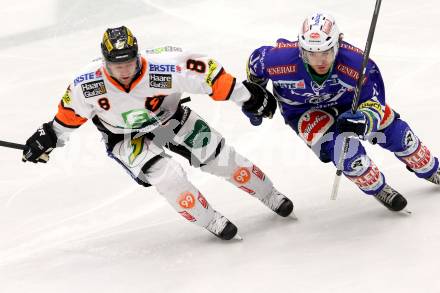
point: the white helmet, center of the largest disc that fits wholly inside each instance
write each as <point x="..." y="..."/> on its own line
<point x="319" y="33"/>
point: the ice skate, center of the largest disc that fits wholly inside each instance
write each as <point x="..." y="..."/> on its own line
<point x="221" y="227"/>
<point x="278" y="203"/>
<point x="391" y="199"/>
<point x="435" y="178"/>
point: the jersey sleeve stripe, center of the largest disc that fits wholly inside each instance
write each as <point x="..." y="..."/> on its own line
<point x="222" y="86"/>
<point x="231" y="90"/>
<point x="64" y="125"/>
<point x="218" y="74"/>
<point x="68" y="118"/>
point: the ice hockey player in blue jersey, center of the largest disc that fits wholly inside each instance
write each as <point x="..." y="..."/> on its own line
<point x="313" y="80"/>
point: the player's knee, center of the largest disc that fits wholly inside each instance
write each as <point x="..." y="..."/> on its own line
<point x="225" y="161"/>
<point x="399" y="137"/>
<point x="164" y="171"/>
<point x="161" y="172"/>
<point x="357" y="165"/>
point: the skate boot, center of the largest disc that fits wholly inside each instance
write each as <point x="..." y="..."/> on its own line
<point x="278" y="203"/>
<point x="435" y="178"/>
<point x="222" y="227"/>
<point x="391" y="199"/>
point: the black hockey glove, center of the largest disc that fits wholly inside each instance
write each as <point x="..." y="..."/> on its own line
<point x="349" y="122"/>
<point x="40" y="144"/>
<point x="261" y="103"/>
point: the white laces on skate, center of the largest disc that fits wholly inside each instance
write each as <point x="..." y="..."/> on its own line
<point x="273" y="200"/>
<point x="387" y="194"/>
<point x="217" y="224"/>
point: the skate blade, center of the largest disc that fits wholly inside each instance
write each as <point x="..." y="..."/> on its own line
<point x="238" y="237"/>
<point x="293" y="216"/>
<point x="406" y="211"/>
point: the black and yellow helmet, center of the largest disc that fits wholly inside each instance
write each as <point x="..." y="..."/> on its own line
<point x="119" y="45"/>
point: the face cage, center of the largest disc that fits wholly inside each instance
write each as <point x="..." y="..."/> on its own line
<point x="306" y="60"/>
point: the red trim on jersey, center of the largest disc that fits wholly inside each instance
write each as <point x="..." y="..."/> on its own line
<point x="388" y="117"/>
<point x="134" y="83"/>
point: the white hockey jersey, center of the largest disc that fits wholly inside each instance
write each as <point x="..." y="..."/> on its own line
<point x="153" y="96"/>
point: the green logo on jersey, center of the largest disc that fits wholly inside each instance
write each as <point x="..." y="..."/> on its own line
<point x="200" y="135"/>
<point x="140" y="118"/>
<point x="135" y="118"/>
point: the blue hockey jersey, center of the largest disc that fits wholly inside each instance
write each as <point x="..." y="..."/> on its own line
<point x="297" y="92"/>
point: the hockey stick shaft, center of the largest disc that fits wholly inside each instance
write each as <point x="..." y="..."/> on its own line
<point x="12" y="145"/>
<point x="357" y="94"/>
<point x="18" y="146"/>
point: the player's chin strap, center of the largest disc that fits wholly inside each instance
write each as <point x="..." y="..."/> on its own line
<point x="357" y="93"/>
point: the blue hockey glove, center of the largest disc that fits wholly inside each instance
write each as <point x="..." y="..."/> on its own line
<point x="253" y="118"/>
<point x="349" y="122"/>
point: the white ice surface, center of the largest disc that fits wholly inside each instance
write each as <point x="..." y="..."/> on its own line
<point x="80" y="224"/>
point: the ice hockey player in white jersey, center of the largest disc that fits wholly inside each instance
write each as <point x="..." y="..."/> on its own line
<point x="135" y="102"/>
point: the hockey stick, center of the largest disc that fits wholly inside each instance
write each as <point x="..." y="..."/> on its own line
<point x="357" y="93"/>
<point x="12" y="145"/>
<point x="18" y="146"/>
